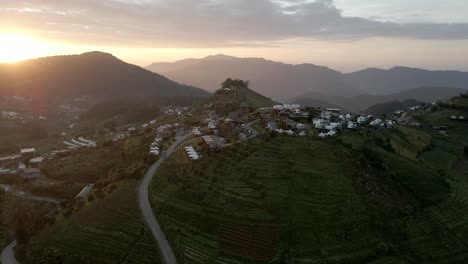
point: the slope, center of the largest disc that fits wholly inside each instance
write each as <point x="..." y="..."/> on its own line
<point x="98" y="75"/>
<point x="372" y="196"/>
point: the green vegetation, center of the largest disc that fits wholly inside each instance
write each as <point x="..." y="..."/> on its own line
<point x="3" y="228"/>
<point x="109" y="230"/>
<point x="372" y="196"/>
<point x="262" y="201"/>
<point x="236" y="94"/>
<point x="107" y="163"/>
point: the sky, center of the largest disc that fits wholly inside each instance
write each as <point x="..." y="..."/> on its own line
<point x="346" y="35"/>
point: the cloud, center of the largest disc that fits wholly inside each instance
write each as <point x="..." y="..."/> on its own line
<point x="205" y="23"/>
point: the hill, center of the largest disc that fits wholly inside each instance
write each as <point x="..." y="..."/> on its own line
<point x="360" y="103"/>
<point x="236" y="94"/>
<point x="100" y="76"/>
<point x="286" y="81"/>
<point x="389" y="108"/>
<point x="369" y="196"/>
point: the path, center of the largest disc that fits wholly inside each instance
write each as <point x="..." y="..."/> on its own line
<point x="145" y="206"/>
<point x="8" y="254"/>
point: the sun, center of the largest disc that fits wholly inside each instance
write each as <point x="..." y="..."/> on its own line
<point x="15" y="47"/>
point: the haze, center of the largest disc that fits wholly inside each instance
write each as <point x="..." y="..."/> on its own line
<point x="347" y="35"/>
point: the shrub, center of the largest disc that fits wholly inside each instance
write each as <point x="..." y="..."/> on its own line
<point x="466" y="150"/>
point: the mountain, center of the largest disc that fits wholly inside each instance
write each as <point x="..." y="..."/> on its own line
<point x="273" y="79"/>
<point x="98" y="75"/>
<point x="287" y="82"/>
<point x="364" y="101"/>
<point x="378" y="81"/>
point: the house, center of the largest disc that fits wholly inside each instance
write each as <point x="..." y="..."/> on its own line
<point x="36" y="161"/>
<point x="333" y="110"/>
<point x="461" y="118"/>
<point x="21" y="166"/>
<point x="453" y="117"/>
<point x="352" y="126"/>
<point x="301" y="126"/>
<point x="4" y="171"/>
<point x="278" y="107"/>
<point x="377" y="123"/>
<point x="209" y="141"/>
<point x="362" y="119"/>
<point x="31" y="173"/>
<point x="279" y="131"/>
<point x="303" y="133"/>
<point x="296" y="107"/>
<point x="192" y="153"/>
<point x="28" y="152"/>
<point x="271" y="125"/>
<point x="283" y="114"/>
<point x="291" y="124"/>
<point x="196" y="131"/>
<point x="85" y="192"/>
<point x="287" y="107"/>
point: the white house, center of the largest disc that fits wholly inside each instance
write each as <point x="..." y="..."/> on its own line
<point x="301" y="126"/>
<point x="36" y="161"/>
<point x="278" y="107"/>
<point x="352" y="125"/>
<point x="453" y="117"/>
<point x="287" y="107"/>
<point x="362" y="119"/>
<point x="28" y="151"/>
<point x="296" y="106"/>
<point x="461" y="118"/>
<point x="85" y="192"/>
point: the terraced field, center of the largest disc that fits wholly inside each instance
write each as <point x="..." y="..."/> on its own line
<point x="264" y="202"/>
<point x="108" y="231"/>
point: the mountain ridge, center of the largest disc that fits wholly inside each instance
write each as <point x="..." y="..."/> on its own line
<point x="285" y="81"/>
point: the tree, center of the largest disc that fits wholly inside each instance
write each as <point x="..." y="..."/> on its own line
<point x="228" y="83"/>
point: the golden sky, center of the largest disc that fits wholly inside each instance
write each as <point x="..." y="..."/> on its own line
<point x="345" y="35"/>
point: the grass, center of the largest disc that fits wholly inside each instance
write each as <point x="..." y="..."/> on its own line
<point x="4" y="234"/>
<point x="266" y="201"/>
<point x="107" y="231"/>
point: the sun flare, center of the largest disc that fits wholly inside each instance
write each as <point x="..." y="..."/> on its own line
<point x="15" y="47"/>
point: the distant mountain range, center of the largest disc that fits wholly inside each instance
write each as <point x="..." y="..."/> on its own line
<point x="316" y="84"/>
<point x="98" y="75"/>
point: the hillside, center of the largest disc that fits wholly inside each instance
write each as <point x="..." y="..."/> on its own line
<point x="369" y="196"/>
<point x="389" y="108"/>
<point x="362" y="102"/>
<point x="286" y="81"/>
<point x="100" y="76"/>
<point x="238" y="95"/>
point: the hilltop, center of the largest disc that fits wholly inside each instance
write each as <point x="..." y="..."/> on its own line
<point x="236" y="94"/>
<point x="98" y="75"/>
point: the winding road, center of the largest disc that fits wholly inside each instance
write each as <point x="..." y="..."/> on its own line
<point x="145" y="205"/>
